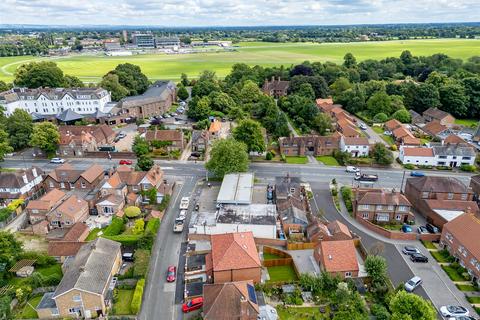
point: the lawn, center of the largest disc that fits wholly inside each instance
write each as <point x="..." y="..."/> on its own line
<point x="466" y="287"/>
<point x="378" y="129"/>
<point x="473" y="300"/>
<point x="123" y="301"/>
<point x="93" y="234"/>
<point x="301" y="313"/>
<point x="440" y="256"/>
<point x="282" y="273"/>
<point x="472" y="123"/>
<point x="28" y="312"/>
<point x="48" y="271"/>
<point x="270" y="256"/>
<point x="296" y="159"/>
<point x="452" y="273"/>
<point x="170" y="66"/>
<point x="393" y="227"/>
<point x="429" y="245"/>
<point x="328" y="160"/>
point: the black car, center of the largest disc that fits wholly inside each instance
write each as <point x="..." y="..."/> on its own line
<point x="431" y="228"/>
<point x="418" y="257"/>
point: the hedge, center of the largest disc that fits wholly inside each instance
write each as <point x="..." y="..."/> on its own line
<point x="347" y="197"/>
<point x="137" y="296"/>
<point x="152" y="226"/>
<point x="125" y="239"/>
<point x="116" y="227"/>
<point x="164" y="204"/>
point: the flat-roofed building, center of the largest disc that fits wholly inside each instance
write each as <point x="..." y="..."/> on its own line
<point x="237" y="188"/>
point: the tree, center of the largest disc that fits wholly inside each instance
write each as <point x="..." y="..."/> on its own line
<point x="410" y="306"/>
<point x="19" y="127"/>
<point x="45" y="136"/>
<point x="73" y="82"/>
<point x="349" y="60"/>
<point x="111" y="83"/>
<point x="4" y="144"/>
<point x="145" y="163"/>
<point x="250" y="132"/>
<point x="184" y="80"/>
<point x="381" y="154"/>
<point x="322" y="123"/>
<point x="10" y="248"/>
<point x="420" y="97"/>
<point x="199" y="108"/>
<point x="132" y="211"/>
<point x="376" y="267"/>
<point x="206" y="84"/>
<point x="380" y="117"/>
<point x="454" y="99"/>
<point x="472" y="90"/>
<point x="4" y="86"/>
<point x="221" y="101"/>
<point x="250" y="92"/>
<point x="5" y="312"/>
<point x="339" y="86"/>
<point x="402" y="115"/>
<point x="301" y="69"/>
<point x="130" y="76"/>
<point x="380" y="102"/>
<point x="227" y="156"/>
<point x="306" y="90"/>
<point x="318" y="83"/>
<point x="39" y="74"/>
<point x="140" y="146"/>
<point x="138" y="227"/>
<point x="182" y="93"/>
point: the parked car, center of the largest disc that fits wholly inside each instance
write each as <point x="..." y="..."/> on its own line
<point x="422" y="230"/>
<point x="412" y="284"/>
<point x="122" y="134"/>
<point x="418" y="257"/>
<point x="410" y="250"/>
<point x="182" y="103"/>
<point x="352" y="169"/>
<point x="454" y="311"/>
<point x="127" y="162"/>
<point x="387" y="133"/>
<point x="417" y="174"/>
<point x="406" y="228"/>
<point x="57" y="160"/>
<point x="127" y="256"/>
<point x="362" y="126"/>
<point x="171" y="273"/>
<point x="431" y="228"/>
<point x="194" y="304"/>
<point x="197" y="207"/>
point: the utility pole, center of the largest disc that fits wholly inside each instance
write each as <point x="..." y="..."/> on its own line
<point x="403" y="179"/>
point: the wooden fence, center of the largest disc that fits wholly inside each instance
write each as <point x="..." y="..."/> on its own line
<point x="300" y="245"/>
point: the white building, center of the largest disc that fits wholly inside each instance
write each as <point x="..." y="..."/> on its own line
<point x="450" y="155"/>
<point x="357" y="146"/>
<point x="20" y="184"/>
<point x="417" y="156"/>
<point x="47" y="101"/>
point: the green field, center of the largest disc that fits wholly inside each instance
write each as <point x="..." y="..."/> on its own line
<point x="163" y="66"/>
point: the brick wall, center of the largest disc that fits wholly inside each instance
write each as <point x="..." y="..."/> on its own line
<point x="253" y="274"/>
<point x="387" y="233"/>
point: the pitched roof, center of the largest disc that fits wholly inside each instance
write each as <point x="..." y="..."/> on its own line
<point x="101" y="133"/>
<point x="75" y="232"/>
<point x="411" y="140"/>
<point x="418" y="152"/>
<point x="392" y="124"/>
<point x="65" y="173"/>
<point x="15" y="179"/>
<point x="46" y="202"/>
<point x="327" y="101"/>
<point x="72" y="206"/>
<point x="215" y="126"/>
<point x="68" y="115"/>
<point x="336" y="226"/>
<point x="114" y="181"/>
<point x="164" y="135"/>
<point x="453" y="205"/>
<point x="454" y="139"/>
<point x="401" y="132"/>
<point x="449" y="149"/>
<point x="230" y="301"/>
<point x="356" y="141"/>
<point x="64" y="248"/>
<point x="436" y="113"/>
<point x="438" y="184"/>
<point x="466" y="228"/>
<point x="234" y="251"/>
<point x="90" y="270"/>
<point x="338" y="256"/>
<point x="382" y="197"/>
<point x="434" y="127"/>
<point x="92" y="173"/>
<point x="130" y="176"/>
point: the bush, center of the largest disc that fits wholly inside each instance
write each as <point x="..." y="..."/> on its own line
<point x="380" y="312"/>
<point x="284" y="158"/>
<point x="393" y="147"/>
<point x="446" y="168"/>
<point x="380" y="117"/>
<point x="5" y="213"/>
<point x="116" y="227"/>
<point x="269" y="156"/>
<point x="409" y="166"/>
<point x="137" y="296"/>
<point x="138" y="227"/>
<point x="125" y="239"/>
<point x="164" y="204"/>
<point x="152" y="226"/>
<point x="334" y="192"/>
<point x="468" y="168"/>
<point x="140" y="264"/>
<point x="347" y="197"/>
<point x="132" y="211"/>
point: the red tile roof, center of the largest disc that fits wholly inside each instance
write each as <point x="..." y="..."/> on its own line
<point x="63" y="248"/>
<point x="338" y="256"/>
<point x="337" y="227"/>
<point x="392" y="124"/>
<point x="164" y="135"/>
<point x="76" y="233"/>
<point x="215" y="126"/>
<point x="465" y="229"/>
<point x="234" y="251"/>
<point x="434" y="127"/>
<point x="418" y="152"/>
<point x="356" y="141"/>
<point x="382" y="197"/>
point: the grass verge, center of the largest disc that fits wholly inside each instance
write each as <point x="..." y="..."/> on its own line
<point x="429" y="245"/>
<point x="466" y="287"/>
<point x="296" y="159"/>
<point x="328" y="160"/>
<point x="440" y="256"/>
<point x="28" y="312"/>
<point x="452" y="273"/>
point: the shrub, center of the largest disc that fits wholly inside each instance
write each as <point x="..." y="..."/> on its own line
<point x="334" y="192"/>
<point x="125" y="239"/>
<point x="132" y="211"/>
<point x="137" y="296"/>
<point x="138" y="227"/>
<point x="468" y="168"/>
<point x="152" y="226"/>
<point x="116" y="227"/>
<point x="164" y="204"/>
<point x="380" y="117"/>
<point x="409" y="166"/>
<point x="393" y="147"/>
<point x="269" y="156"/>
<point x="380" y="312"/>
<point x="284" y="158"/>
<point x="347" y="197"/>
<point x="140" y="264"/>
<point x="5" y="213"/>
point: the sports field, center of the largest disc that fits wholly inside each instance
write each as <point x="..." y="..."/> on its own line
<point x="163" y="66"/>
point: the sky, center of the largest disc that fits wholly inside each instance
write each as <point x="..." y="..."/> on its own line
<point x="178" y="13"/>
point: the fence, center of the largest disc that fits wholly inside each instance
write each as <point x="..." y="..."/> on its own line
<point x="114" y="155"/>
<point x="285" y="260"/>
<point x="300" y="245"/>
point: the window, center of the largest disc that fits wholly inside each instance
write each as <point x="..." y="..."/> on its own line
<point x="449" y="237"/>
<point x="77" y="298"/>
<point x="450" y="196"/>
<point x="348" y="274"/>
<point x="402" y="208"/>
<point x="292" y="190"/>
<point x="383" y="217"/>
<point x="83" y="185"/>
<point x="34" y="211"/>
<point x="62" y="185"/>
<point x="464" y="196"/>
<point x="379" y="207"/>
<point x="425" y="195"/>
<point x="390" y="207"/>
<point x="365" y="215"/>
<point x="50" y="184"/>
<point x="364" y="207"/>
<point x="398" y="217"/>
<point x="107" y="210"/>
<point x="72" y="186"/>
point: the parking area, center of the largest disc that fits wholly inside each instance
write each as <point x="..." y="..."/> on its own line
<point x="125" y="144"/>
<point x="439" y="288"/>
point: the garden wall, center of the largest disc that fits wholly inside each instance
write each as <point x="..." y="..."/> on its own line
<point x="387" y="233"/>
<point x="430" y="237"/>
<point x="300" y="246"/>
<point x="114" y="155"/>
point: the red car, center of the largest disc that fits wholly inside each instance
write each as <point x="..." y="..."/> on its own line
<point x="194" y="304"/>
<point x="129" y="162"/>
<point x="171" y="272"/>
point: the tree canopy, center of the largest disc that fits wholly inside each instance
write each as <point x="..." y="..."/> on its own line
<point x="45" y="136"/>
<point x="39" y="74"/>
<point x="227" y="156"/>
<point x="250" y="132"/>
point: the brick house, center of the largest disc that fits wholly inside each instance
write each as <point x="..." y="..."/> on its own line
<point x="37" y="210"/>
<point x="381" y="206"/>
<point x="335" y="230"/>
<point x="174" y="137"/>
<point x="443" y="189"/>
<point x="21" y="184"/>
<point x="460" y="238"/>
<point x="84" y="291"/>
<point x="338" y="258"/>
<point x="434" y="128"/>
<point x="391" y="125"/>
<point x="76" y="140"/>
<point x="230" y="300"/>
<point x="275" y="87"/>
<point x="66" y="177"/>
<point x="200" y="140"/>
<point x="475" y="186"/>
<point x="71" y="242"/>
<point x="435" y="114"/>
<point x="69" y="212"/>
<point x="234" y="257"/>
<point x="309" y="145"/>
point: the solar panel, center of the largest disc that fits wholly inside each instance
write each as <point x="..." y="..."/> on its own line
<point x="251" y="293"/>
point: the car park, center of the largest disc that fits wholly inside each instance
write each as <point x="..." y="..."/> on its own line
<point x="406" y="228"/>
<point x="194" y="304"/>
<point x="410" y="250"/>
<point x="171" y="273"/>
<point x="352" y="169"/>
<point x="417" y="174"/>
<point x="127" y="162"/>
<point x="431" y="228"/>
<point x="57" y="160"/>
<point x="418" y="257"/>
<point x="412" y="284"/>
<point x="454" y="311"/>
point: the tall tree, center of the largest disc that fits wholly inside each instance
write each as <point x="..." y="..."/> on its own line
<point x="322" y="123"/>
<point x="199" y="108"/>
<point x="20" y="128"/>
<point x="73" y="82"/>
<point x="39" y="74"/>
<point x="410" y="306"/>
<point x="250" y="132"/>
<point x="454" y="99"/>
<point x="110" y="82"/>
<point x="420" y="97"/>
<point x="376" y="267"/>
<point x="227" y="156"/>
<point x="184" y="80"/>
<point x="4" y="86"/>
<point x="380" y="102"/>
<point x="182" y="93"/>
<point x="45" y="136"/>
<point x="349" y="60"/>
<point x="381" y="154"/>
<point x="4" y="144"/>
<point x="339" y="86"/>
<point x="472" y="89"/>
<point x="131" y="77"/>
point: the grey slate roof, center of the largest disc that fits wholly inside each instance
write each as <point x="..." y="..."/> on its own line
<point x="460" y="150"/>
<point x="69" y="115"/>
<point x="91" y="268"/>
<point x="53" y="93"/>
<point x="158" y="91"/>
<point x="47" y="302"/>
<point x="15" y="179"/>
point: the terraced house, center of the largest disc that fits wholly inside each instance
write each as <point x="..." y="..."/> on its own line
<point x="309" y="145"/>
<point x="66" y="177"/>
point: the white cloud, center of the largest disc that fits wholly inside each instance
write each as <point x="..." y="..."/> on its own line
<point x="235" y="12"/>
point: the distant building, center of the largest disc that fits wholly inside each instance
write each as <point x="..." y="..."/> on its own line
<point x="112" y="45"/>
<point x="21" y="184"/>
<point x="76" y="140"/>
<point x="309" y="145"/>
<point x="143" y="40"/>
<point x="50" y="102"/>
<point x="275" y="87"/>
<point x="167" y="42"/>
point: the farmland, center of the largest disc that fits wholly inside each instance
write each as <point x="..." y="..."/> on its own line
<point x="163" y="66"/>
